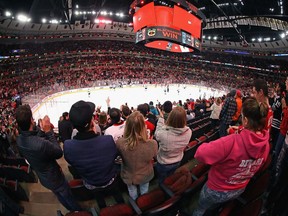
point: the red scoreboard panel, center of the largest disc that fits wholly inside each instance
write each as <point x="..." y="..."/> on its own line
<point x="168" y="28"/>
<point x="164" y="16"/>
<point x="187" y="22"/>
<point x="144" y="17"/>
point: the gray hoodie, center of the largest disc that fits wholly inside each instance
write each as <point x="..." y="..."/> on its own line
<point x="172" y="142"/>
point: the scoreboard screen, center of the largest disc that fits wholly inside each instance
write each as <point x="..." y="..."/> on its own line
<point x="169" y="39"/>
<point x="167" y="28"/>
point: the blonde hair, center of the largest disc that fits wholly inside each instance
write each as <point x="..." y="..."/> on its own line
<point x="135" y="130"/>
<point x="218" y="101"/>
<point x="177" y="118"/>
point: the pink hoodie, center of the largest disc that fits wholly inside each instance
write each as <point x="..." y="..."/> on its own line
<point x="234" y="159"/>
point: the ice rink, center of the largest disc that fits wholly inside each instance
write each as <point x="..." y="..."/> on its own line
<point x="54" y="105"/>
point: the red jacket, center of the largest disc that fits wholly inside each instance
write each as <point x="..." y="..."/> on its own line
<point x="284" y="122"/>
<point x="269" y="119"/>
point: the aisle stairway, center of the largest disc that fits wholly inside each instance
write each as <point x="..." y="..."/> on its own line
<point x="42" y="202"/>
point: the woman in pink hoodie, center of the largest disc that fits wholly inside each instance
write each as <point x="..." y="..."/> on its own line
<point x="234" y="159"/>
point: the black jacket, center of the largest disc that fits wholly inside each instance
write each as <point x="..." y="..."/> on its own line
<point x="65" y="130"/>
<point x="41" y="151"/>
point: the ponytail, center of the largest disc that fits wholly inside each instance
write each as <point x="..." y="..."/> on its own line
<point x="256" y="113"/>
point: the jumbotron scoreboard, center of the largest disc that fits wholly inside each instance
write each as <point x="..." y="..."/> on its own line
<point x="174" y="26"/>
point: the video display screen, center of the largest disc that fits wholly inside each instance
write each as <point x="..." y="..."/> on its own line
<point x="168" y="46"/>
<point x="155" y="33"/>
<point x="159" y="32"/>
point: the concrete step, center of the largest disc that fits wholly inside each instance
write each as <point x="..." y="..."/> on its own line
<point x="41" y="209"/>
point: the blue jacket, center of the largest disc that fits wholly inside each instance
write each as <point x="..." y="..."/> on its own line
<point x="92" y="156"/>
<point x="41" y="151"/>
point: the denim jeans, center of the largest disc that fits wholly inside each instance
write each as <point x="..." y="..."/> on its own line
<point x="282" y="160"/>
<point x="214" y="123"/>
<point x="223" y="129"/>
<point x="133" y="190"/>
<point x="279" y="144"/>
<point x="164" y="170"/>
<point x="211" y="198"/>
<point x="110" y="190"/>
<point x="66" y="198"/>
<point x="277" y="150"/>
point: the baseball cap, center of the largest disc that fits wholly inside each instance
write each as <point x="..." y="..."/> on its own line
<point x="81" y="113"/>
<point x="233" y="92"/>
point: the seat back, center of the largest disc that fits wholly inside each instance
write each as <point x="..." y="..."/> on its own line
<point x="117" y="210"/>
<point x="199" y="175"/>
<point x="179" y="181"/>
<point x="169" y="206"/>
<point x="20" y="173"/>
<point x="256" y="187"/>
<point x="14" y="161"/>
<point x="151" y="199"/>
<point x="234" y="208"/>
<point x="92" y="212"/>
<point x="13" y="189"/>
<point x="199" y="169"/>
<point x="79" y="191"/>
<point x="189" y="152"/>
<point x="196" y="132"/>
<point x="8" y="206"/>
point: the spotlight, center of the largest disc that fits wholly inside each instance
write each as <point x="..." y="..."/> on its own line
<point x="8" y="13"/>
<point x="23" y="18"/>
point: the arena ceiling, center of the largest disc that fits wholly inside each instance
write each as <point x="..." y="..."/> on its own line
<point x="213" y="9"/>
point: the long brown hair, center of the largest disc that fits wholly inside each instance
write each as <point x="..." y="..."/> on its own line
<point x="177" y="118"/>
<point x="135" y="130"/>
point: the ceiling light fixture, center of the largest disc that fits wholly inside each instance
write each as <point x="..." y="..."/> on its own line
<point x="8" y="13"/>
<point x="23" y="18"/>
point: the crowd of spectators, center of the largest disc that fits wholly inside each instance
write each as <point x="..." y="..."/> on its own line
<point x="42" y="69"/>
<point x="82" y="65"/>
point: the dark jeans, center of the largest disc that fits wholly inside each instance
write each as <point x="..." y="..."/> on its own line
<point x="279" y="144"/>
<point x="66" y="198"/>
<point x="111" y="190"/>
<point x="214" y="123"/>
<point x="223" y="129"/>
<point x="165" y="170"/>
<point x="274" y="134"/>
<point x="277" y="150"/>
